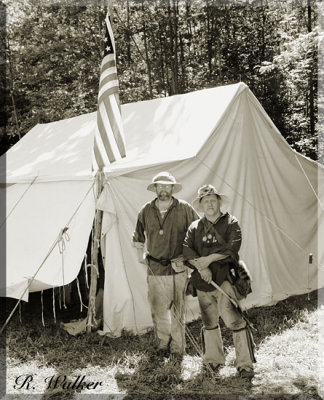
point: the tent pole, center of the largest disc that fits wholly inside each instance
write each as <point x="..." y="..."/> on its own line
<point x="94" y="257"/>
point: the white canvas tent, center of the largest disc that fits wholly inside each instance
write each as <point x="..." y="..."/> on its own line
<point x="220" y="136"/>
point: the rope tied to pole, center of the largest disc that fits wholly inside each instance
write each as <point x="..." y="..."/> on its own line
<point x="54" y="313"/>
<point x="42" y="308"/>
<point x="62" y="238"/>
<point x="80" y="296"/>
<point x="86" y="270"/>
<point x="95" y="267"/>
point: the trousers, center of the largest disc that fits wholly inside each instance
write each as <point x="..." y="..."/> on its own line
<point x="166" y="295"/>
<point x="212" y="306"/>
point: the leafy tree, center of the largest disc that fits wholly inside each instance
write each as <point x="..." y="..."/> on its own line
<point x="164" y="47"/>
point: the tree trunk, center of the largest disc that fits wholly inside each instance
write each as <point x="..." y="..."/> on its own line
<point x="176" y="64"/>
<point x="172" y="75"/>
<point x="147" y="54"/>
<point x="11" y="85"/>
<point x="162" y="63"/>
<point x="184" y="82"/>
<point x="209" y="41"/>
<point x="311" y="84"/>
<point x="129" y="58"/>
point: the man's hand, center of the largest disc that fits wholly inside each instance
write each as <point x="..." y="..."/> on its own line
<point x="204" y="262"/>
<point x="141" y="256"/>
<point x="206" y="275"/>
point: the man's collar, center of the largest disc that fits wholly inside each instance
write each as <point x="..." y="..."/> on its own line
<point x="173" y="204"/>
<point x="208" y="223"/>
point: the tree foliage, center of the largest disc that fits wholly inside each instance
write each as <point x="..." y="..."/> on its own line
<point x="164" y="47"/>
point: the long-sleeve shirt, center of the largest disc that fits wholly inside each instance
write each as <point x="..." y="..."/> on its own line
<point x="204" y="238"/>
<point x="163" y="236"/>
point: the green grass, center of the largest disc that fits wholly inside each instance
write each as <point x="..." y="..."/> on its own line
<point x="287" y="350"/>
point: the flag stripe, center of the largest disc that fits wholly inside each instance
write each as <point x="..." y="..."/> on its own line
<point x="98" y="154"/>
<point x="108" y="92"/>
<point x="107" y="72"/>
<point x="116" y="108"/>
<point x="107" y="66"/>
<point x="109" y="59"/>
<point x="109" y="144"/>
<point x="109" y="131"/>
<point x="104" y="137"/>
<point x="110" y="81"/>
<point x="115" y="124"/>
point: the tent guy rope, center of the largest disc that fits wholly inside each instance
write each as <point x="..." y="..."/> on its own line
<point x="310" y="184"/>
<point x="18" y="201"/>
<point x="55" y="243"/>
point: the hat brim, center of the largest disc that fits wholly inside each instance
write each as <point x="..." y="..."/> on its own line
<point x="176" y="186"/>
<point x="196" y="202"/>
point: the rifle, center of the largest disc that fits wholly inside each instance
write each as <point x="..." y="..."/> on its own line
<point x="235" y="304"/>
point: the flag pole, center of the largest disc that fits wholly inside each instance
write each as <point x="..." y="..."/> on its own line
<point x="109" y="144"/>
<point x="96" y="236"/>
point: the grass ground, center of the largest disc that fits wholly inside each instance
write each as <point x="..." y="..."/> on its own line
<point x="289" y="360"/>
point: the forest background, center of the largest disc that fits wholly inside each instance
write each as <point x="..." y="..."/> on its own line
<point x="51" y="54"/>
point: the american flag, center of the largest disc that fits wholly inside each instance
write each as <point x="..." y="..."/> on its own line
<point x="109" y="144"/>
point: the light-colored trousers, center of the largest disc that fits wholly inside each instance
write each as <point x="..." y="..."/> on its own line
<point x="212" y="306"/>
<point x="166" y="295"/>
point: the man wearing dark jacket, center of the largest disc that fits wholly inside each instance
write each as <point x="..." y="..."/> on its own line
<point x="211" y="246"/>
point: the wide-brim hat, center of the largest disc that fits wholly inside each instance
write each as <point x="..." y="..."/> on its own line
<point x="164" y="178"/>
<point x="206" y="190"/>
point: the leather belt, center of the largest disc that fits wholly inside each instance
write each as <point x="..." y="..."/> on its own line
<point x="165" y="263"/>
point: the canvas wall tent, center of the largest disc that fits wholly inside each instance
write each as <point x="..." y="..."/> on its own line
<point x="220" y="136"/>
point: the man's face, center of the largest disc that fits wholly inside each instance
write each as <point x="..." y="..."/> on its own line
<point x="164" y="192"/>
<point x="210" y="205"/>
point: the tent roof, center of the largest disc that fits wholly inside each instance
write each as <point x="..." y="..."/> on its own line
<point x="53" y="151"/>
<point x="172" y="128"/>
<point x="175" y="128"/>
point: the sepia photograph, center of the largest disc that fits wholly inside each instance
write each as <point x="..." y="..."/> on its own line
<point x="161" y="199"/>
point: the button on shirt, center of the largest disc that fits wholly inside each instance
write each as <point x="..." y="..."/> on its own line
<point x="204" y="238"/>
<point x="174" y="225"/>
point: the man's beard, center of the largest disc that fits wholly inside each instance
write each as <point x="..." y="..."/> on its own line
<point x="164" y="196"/>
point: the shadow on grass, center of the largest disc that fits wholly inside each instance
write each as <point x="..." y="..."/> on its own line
<point x="163" y="379"/>
<point x="136" y="372"/>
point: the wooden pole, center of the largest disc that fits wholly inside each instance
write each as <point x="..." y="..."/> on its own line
<point x="12" y="90"/>
<point x="96" y="235"/>
<point x="91" y="320"/>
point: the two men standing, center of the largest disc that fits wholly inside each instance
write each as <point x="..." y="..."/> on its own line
<point x="174" y="233"/>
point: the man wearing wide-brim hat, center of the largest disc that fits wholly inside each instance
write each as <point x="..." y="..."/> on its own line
<point x="211" y="246"/>
<point x="161" y="225"/>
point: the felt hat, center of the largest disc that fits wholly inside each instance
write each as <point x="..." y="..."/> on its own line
<point x="206" y="190"/>
<point x="164" y="178"/>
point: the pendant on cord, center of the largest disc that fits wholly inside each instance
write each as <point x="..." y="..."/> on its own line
<point x="161" y="232"/>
